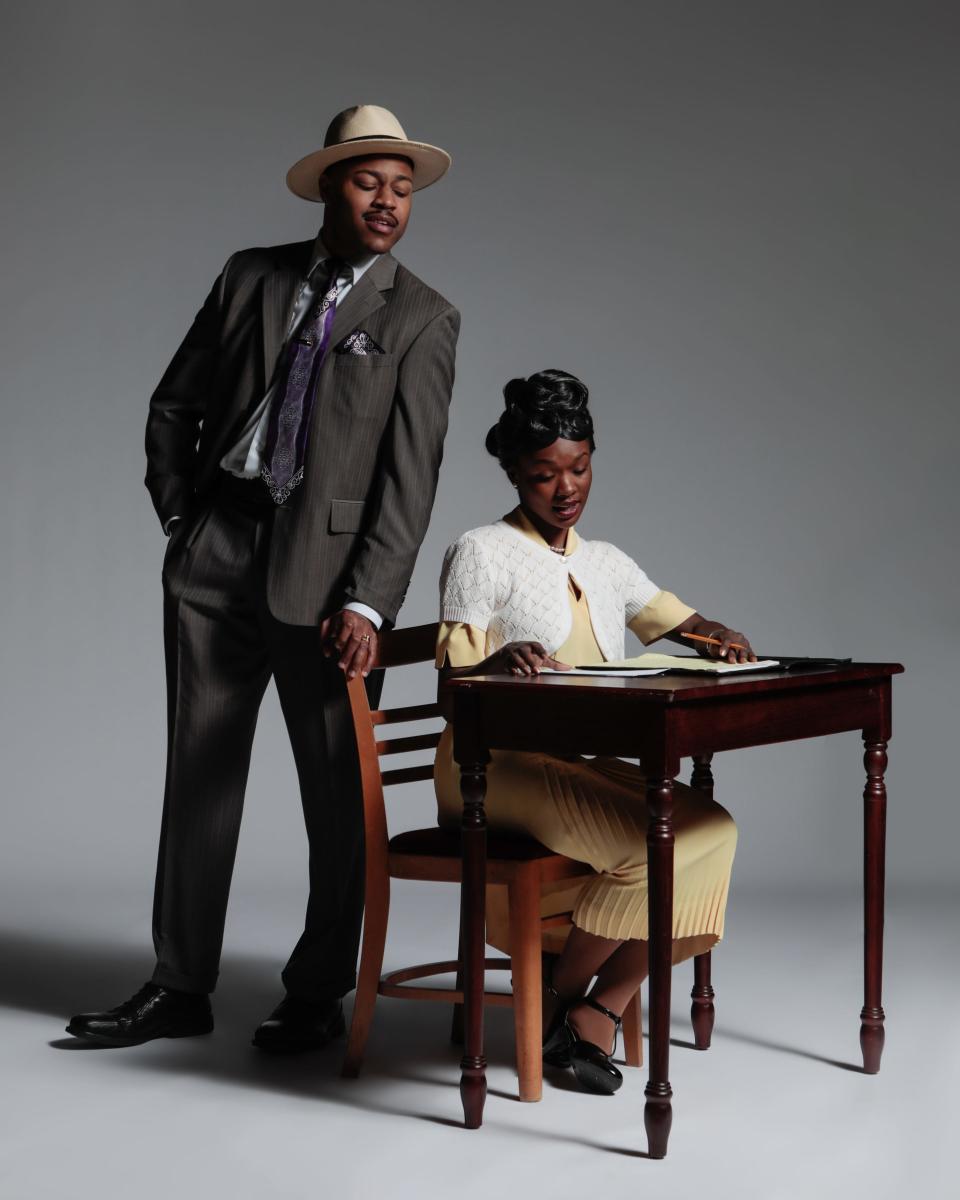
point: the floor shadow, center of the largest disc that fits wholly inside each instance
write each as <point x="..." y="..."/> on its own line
<point x="749" y="1039"/>
<point x="62" y="976"/>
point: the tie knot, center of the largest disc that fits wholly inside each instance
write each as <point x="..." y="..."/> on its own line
<point x="336" y="269"/>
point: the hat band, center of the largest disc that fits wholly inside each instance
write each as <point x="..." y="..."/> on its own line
<point x="366" y="137"/>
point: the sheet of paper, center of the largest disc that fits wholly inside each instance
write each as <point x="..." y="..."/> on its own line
<point x="613" y="670"/>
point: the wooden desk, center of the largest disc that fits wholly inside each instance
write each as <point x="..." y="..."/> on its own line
<point x="661" y="719"/>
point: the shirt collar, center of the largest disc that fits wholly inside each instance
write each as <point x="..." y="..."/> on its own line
<point x="519" y="520"/>
<point x="358" y="266"/>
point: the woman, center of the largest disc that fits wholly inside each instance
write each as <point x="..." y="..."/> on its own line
<point x="526" y="593"/>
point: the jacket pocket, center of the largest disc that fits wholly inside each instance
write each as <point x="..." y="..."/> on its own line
<point x="362" y="362"/>
<point x="346" y="516"/>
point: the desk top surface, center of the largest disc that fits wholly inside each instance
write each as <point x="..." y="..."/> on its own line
<point x="669" y="689"/>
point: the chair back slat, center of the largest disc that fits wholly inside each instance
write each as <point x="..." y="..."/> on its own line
<point x="398" y="647"/>
<point x="404" y="745"/>
<point x="402" y="647"/>
<point x="412" y="712"/>
<point x="407" y="774"/>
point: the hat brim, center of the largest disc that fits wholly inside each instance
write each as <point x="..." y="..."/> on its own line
<point x="429" y="162"/>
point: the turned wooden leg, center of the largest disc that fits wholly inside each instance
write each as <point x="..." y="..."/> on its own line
<point x="524" y="906"/>
<point x="874" y="840"/>
<point x="658" y="1114"/>
<point x="473" y="1065"/>
<point x="702" y="1012"/>
<point x="456" y="1022"/>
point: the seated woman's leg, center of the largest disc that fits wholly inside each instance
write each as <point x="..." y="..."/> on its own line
<point x="593" y="810"/>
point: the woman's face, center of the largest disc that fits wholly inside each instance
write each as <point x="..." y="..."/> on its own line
<point x="554" y="483"/>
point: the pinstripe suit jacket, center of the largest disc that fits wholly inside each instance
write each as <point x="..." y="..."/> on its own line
<point x="353" y="528"/>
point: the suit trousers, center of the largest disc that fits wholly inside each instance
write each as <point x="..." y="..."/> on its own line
<point x="222" y="647"/>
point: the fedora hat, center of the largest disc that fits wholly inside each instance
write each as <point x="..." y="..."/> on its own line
<point x="365" y="129"/>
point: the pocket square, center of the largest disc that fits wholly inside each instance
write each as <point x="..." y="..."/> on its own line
<point x="359" y="343"/>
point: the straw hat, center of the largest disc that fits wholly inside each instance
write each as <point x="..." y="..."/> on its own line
<point x="361" y="130"/>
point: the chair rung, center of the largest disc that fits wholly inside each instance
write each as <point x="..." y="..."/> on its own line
<point x="406" y="774"/>
<point x="413" y="712"/>
<point x="394" y="983"/>
<point x="557" y="921"/>
<point x="425" y="970"/>
<point x="444" y="995"/>
<point x="403" y="745"/>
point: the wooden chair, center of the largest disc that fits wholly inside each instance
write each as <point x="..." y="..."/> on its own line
<point x="434" y="854"/>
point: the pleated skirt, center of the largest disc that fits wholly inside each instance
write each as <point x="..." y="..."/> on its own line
<point x="593" y="810"/>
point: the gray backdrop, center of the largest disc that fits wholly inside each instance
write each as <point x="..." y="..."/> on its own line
<point x="736" y="221"/>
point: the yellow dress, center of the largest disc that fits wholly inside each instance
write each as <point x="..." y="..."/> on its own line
<point x="593" y="809"/>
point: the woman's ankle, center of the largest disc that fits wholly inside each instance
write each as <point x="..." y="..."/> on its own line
<point x="592" y="1026"/>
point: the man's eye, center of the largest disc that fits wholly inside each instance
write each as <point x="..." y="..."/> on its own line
<point x="581" y="471"/>
<point x="401" y="195"/>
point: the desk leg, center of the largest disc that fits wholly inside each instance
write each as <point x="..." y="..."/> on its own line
<point x="874" y="840"/>
<point x="702" y="1012"/>
<point x="657" y="1113"/>
<point x="473" y="1065"/>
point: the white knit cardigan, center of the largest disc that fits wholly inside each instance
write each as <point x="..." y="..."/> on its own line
<point x="500" y="580"/>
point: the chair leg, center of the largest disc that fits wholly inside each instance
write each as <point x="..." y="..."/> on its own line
<point x="376" y="910"/>
<point x="701" y="1010"/>
<point x="456" y="1023"/>
<point x="633" y="1032"/>
<point x="524" y="906"/>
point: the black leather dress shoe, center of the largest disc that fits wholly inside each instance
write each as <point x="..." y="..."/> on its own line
<point x="154" y="1012"/>
<point x="297" y="1024"/>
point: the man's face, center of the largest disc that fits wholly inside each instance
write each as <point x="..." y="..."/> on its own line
<point x="367" y="204"/>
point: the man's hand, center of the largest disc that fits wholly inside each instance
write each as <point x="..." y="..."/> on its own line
<point x="353" y="639"/>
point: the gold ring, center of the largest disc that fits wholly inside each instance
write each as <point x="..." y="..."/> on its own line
<point x="365" y="637"/>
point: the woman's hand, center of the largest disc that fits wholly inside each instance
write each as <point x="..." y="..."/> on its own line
<point x="523" y="658"/>
<point x="728" y="639"/>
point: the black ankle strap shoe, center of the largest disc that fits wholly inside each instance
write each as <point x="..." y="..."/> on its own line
<point x="592" y="1066"/>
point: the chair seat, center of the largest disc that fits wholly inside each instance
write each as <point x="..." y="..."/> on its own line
<point x="445" y="843"/>
<point x="434" y="854"/>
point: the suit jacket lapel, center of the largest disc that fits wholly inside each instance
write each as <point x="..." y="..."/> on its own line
<point x="363" y="298"/>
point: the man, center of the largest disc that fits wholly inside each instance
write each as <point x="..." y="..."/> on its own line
<point x="293" y="447"/>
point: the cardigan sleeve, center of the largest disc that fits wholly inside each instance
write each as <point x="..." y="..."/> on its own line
<point x="467" y="591"/>
<point x="658" y="616"/>
<point x="649" y="611"/>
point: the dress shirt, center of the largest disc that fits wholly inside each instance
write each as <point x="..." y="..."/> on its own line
<point x="244" y="458"/>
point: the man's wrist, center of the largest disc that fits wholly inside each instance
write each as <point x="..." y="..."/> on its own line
<point x="364" y="610"/>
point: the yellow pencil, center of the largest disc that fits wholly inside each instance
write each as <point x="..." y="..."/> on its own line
<point x="697" y="637"/>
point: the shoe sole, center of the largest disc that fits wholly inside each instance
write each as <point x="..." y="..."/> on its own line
<point x="292" y="1046"/>
<point x="105" y="1040"/>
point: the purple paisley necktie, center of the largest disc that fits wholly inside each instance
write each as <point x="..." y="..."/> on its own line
<point x="283" y="456"/>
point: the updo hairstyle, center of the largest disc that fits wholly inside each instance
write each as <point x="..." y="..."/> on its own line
<point x="547" y="406"/>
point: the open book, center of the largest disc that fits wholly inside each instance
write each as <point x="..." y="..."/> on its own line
<point x="649" y="663"/>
